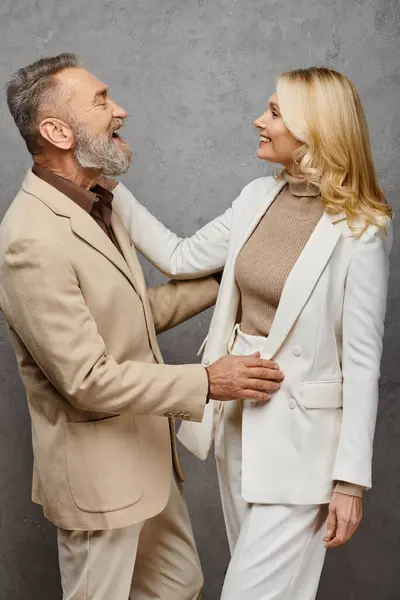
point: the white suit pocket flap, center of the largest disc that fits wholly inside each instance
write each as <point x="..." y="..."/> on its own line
<point x="323" y="394"/>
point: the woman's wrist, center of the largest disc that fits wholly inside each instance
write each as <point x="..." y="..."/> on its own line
<point x="350" y="489"/>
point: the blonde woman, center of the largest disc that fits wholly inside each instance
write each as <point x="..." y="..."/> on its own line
<point x="305" y="259"/>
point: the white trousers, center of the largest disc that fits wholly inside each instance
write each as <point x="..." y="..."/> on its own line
<point x="154" y="560"/>
<point x="277" y="550"/>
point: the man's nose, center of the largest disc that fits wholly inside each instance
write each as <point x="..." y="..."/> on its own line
<point x="119" y="112"/>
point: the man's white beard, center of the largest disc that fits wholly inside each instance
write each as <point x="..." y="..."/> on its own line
<point x="100" y="152"/>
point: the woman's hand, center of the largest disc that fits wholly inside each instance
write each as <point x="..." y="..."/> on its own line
<point x="345" y="514"/>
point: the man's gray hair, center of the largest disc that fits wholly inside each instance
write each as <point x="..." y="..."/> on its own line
<point x="32" y="92"/>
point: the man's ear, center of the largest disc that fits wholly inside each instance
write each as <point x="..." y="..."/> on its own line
<point x="57" y="133"/>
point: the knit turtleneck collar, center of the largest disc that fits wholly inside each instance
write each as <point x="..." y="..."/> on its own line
<point x="300" y="187"/>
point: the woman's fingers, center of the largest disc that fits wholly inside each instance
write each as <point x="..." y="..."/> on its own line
<point x="331" y="526"/>
<point x="348" y="513"/>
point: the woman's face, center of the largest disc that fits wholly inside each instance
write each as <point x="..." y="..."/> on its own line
<point x="277" y="144"/>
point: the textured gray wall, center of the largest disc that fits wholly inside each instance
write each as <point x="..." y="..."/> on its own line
<point x="193" y="74"/>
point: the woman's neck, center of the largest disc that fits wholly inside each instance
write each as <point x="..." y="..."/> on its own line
<point x="300" y="186"/>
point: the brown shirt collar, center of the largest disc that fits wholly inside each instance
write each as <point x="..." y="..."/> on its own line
<point x="84" y="198"/>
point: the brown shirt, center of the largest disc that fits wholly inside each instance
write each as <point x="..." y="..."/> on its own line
<point x="97" y="202"/>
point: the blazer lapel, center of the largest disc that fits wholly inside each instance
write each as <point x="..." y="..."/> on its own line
<point x="82" y="224"/>
<point x="133" y="263"/>
<point x="226" y="309"/>
<point x="262" y="203"/>
<point x="129" y="252"/>
<point x="302" y="280"/>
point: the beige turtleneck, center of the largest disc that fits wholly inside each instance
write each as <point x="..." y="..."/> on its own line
<point x="265" y="261"/>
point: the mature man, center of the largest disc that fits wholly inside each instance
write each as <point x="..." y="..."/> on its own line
<point x="83" y="326"/>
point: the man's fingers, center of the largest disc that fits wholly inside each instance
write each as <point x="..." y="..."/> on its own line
<point x="263" y="385"/>
<point x="256" y="355"/>
<point x="266" y="373"/>
<point x="254" y="361"/>
<point x="255" y="395"/>
<point x="259" y="385"/>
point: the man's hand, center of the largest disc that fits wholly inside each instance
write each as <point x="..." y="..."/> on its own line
<point x="244" y="377"/>
<point x="345" y="514"/>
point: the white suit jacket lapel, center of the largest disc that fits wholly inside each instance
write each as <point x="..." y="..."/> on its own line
<point x="229" y="296"/>
<point x="262" y="203"/>
<point x="302" y="280"/>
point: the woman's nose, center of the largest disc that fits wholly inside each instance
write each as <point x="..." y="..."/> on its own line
<point x="259" y="123"/>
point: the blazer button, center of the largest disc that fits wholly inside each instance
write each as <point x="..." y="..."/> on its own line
<point x="206" y="361"/>
<point x="296" y="350"/>
<point x="187" y="416"/>
<point x="292" y="403"/>
<point x="170" y="415"/>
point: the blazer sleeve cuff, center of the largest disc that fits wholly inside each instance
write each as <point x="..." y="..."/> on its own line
<point x="350" y="489"/>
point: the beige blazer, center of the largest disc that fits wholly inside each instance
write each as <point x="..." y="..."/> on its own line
<point x="83" y="326"/>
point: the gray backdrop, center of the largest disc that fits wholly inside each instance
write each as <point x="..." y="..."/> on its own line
<point x="193" y="74"/>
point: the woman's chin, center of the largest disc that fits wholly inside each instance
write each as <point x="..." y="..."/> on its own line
<point x="265" y="154"/>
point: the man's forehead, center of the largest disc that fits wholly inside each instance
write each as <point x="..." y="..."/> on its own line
<point x="79" y="79"/>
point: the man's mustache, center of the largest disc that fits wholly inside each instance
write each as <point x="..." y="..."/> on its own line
<point x="116" y="124"/>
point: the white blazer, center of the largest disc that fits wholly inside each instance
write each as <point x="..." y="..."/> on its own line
<point x="326" y="338"/>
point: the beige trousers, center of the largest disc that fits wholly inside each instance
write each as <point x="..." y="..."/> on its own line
<point x="154" y="560"/>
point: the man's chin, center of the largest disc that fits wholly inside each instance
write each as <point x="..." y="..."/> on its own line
<point x="121" y="166"/>
<point x="110" y="159"/>
<point x="115" y="172"/>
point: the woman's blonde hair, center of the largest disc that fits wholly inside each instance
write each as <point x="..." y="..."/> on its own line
<point x="322" y="109"/>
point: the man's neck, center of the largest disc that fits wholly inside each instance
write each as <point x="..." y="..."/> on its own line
<point x="68" y="168"/>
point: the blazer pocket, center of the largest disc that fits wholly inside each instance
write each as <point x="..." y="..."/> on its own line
<point x="323" y="394"/>
<point x="103" y="464"/>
